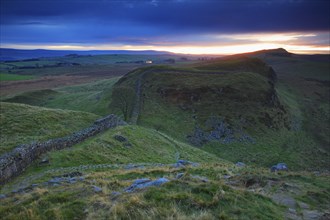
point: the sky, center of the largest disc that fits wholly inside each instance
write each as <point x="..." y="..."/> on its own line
<point x="181" y="26"/>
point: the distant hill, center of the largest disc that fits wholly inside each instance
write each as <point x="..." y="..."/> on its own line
<point x="7" y="54"/>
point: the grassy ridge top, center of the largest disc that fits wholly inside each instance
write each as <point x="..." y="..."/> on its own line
<point x="242" y="64"/>
<point x="177" y="100"/>
<point x="218" y="88"/>
<point x="22" y="123"/>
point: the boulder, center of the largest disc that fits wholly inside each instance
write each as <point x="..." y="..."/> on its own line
<point x="140" y="181"/>
<point x="179" y="175"/>
<point x="120" y="138"/>
<point x="56" y="180"/>
<point x="200" y="178"/>
<point x="240" y="164"/>
<point x="96" y="189"/>
<point x="278" y="167"/>
<point x="144" y="183"/>
<point x="44" y="161"/>
<point x="183" y="163"/>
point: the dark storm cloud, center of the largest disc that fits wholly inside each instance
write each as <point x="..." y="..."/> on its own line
<point x="137" y="21"/>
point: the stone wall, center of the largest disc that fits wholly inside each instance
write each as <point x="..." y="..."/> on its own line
<point x="15" y="162"/>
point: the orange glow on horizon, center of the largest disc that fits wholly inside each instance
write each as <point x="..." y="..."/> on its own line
<point x="195" y="50"/>
<point x="225" y="44"/>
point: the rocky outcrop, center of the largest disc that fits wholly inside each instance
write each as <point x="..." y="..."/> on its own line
<point x="15" y="162"/>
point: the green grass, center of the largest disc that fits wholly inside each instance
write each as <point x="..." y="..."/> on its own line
<point x="222" y="95"/>
<point x="14" y="77"/>
<point x="307" y="82"/>
<point x="292" y="130"/>
<point x="22" y="124"/>
<point x="145" y="146"/>
<point x="297" y="149"/>
<point x="184" y="198"/>
<point x="174" y="100"/>
<point x="93" y="97"/>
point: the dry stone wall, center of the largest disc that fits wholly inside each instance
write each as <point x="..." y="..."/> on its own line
<point x="13" y="163"/>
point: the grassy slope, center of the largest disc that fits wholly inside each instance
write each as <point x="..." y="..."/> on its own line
<point x="92" y="97"/>
<point x="147" y="146"/>
<point x="246" y="195"/>
<point x="237" y="96"/>
<point x="23" y="123"/>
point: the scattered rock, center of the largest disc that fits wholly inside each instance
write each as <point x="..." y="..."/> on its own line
<point x="312" y="214"/>
<point x="240" y="164"/>
<point x="72" y="174"/>
<point x="96" y="189"/>
<point x="2" y="196"/>
<point x="128" y="145"/>
<point x="34" y="185"/>
<point x="44" y="161"/>
<point x="325" y="216"/>
<point x="303" y="205"/>
<point x="55" y="180"/>
<point x="278" y="167"/>
<point x="133" y="166"/>
<point x="201" y="178"/>
<point x="179" y="175"/>
<point x="144" y="183"/>
<point x="291" y="188"/>
<point x="69" y="178"/>
<point x="292" y="214"/>
<point x="14" y="191"/>
<point x="286" y="200"/>
<point x="183" y="163"/>
<point x="226" y="176"/>
<point x="120" y="138"/>
<point x="72" y="180"/>
<point x="140" y="181"/>
<point x="115" y="193"/>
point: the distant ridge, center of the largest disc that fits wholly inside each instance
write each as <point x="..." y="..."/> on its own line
<point x="7" y="54"/>
<point x="272" y="52"/>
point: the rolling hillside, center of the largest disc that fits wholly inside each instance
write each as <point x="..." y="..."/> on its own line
<point x="232" y="107"/>
<point x="22" y="124"/>
<point x="199" y="143"/>
<point x="94" y="180"/>
<point x="93" y="97"/>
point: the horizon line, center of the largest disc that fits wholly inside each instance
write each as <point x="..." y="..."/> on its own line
<point x="171" y="52"/>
